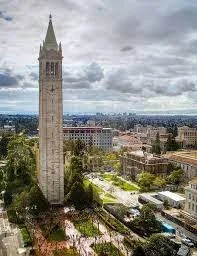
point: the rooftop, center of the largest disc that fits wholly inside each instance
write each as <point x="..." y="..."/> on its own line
<point x="172" y="196"/>
<point x="188" y="157"/>
<point x="151" y="197"/>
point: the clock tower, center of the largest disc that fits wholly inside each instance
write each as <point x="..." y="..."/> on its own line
<point x="51" y="168"/>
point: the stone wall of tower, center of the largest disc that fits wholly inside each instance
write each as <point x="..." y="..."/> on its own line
<point x="51" y="173"/>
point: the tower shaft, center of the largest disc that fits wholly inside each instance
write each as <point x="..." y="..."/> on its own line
<point x="51" y="171"/>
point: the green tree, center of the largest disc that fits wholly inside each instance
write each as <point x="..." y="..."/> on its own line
<point x="79" y="148"/>
<point x="21" y="163"/>
<point x="36" y="201"/>
<point x="171" y="144"/>
<point x="156" y="148"/>
<point x="4" y="141"/>
<point x="159" y="182"/>
<point x="19" y="172"/>
<point x="76" y="196"/>
<point x="145" y="181"/>
<point x="158" y="245"/>
<point x="147" y="223"/>
<point x="90" y="193"/>
<point x="176" y="177"/>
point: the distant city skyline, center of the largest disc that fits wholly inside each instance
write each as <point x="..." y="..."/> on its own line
<point x="118" y="56"/>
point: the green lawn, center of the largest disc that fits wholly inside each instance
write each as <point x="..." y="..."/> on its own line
<point x="25" y="236"/>
<point x="66" y="252"/>
<point x="117" y="181"/>
<point x="57" y="235"/>
<point x="97" y="188"/>
<point x="108" y="198"/>
<point x="53" y="233"/>
<point x="86" y="227"/>
<point x="106" y="249"/>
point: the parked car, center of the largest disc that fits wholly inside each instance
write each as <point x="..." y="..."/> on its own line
<point x="187" y="242"/>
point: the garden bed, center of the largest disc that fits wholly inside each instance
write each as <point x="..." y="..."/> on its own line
<point x="106" y="249"/>
<point x="86" y="227"/>
<point x="66" y="252"/>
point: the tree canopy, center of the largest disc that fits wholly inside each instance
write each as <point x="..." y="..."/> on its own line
<point x="156" y="245"/>
<point x="147" y="223"/>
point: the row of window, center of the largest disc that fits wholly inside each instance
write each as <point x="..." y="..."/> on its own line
<point x="51" y="68"/>
<point x="192" y="197"/>
<point x="191" y="207"/>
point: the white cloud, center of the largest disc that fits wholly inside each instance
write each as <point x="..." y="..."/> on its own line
<point x="117" y="54"/>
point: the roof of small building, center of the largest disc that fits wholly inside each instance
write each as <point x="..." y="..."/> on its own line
<point x="150" y="197"/>
<point x="172" y="195"/>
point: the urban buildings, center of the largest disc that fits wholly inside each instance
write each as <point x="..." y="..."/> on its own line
<point x="7" y="129"/>
<point x="191" y="198"/>
<point x="173" y="199"/>
<point x="186" y="160"/>
<point x="187" y="136"/>
<point x="98" y="136"/>
<point x="137" y="161"/>
<point x="51" y="172"/>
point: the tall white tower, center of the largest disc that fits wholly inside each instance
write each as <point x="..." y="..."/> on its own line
<point x="51" y="171"/>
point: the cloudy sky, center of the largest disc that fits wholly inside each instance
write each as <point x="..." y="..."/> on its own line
<point x="118" y="55"/>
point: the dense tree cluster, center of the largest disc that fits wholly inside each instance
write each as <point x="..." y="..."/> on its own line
<point x="75" y="191"/>
<point x="146" y="224"/>
<point x="156" y="245"/>
<point x="156" y="148"/>
<point x="19" y="178"/>
<point x="148" y="181"/>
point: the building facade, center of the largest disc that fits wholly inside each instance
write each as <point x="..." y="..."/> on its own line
<point x="51" y="171"/>
<point x="187" y="136"/>
<point x="186" y="161"/>
<point x="98" y="136"/>
<point x="135" y="162"/>
<point x="7" y="129"/>
<point x="191" y="198"/>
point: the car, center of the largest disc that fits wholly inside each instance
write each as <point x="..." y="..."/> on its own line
<point x="187" y="242"/>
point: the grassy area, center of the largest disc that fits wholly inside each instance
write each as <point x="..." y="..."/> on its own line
<point x="66" y="252"/>
<point x="108" y="198"/>
<point x="97" y="188"/>
<point x="57" y="235"/>
<point x="86" y="227"/>
<point x="106" y="249"/>
<point x="25" y="236"/>
<point x="53" y="233"/>
<point x="117" y="181"/>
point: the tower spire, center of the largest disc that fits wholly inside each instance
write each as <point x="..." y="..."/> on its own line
<point x="50" y="39"/>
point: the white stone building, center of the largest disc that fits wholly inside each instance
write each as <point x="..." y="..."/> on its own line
<point x="51" y="171"/>
<point x="98" y="136"/>
<point x="186" y="161"/>
<point x="187" y="136"/>
<point x="191" y="198"/>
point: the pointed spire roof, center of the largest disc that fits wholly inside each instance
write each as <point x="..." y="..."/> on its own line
<point x="50" y="40"/>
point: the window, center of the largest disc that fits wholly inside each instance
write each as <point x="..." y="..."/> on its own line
<point x="47" y="69"/>
<point x="189" y="196"/>
<point x="56" y="69"/>
<point x="52" y="69"/>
